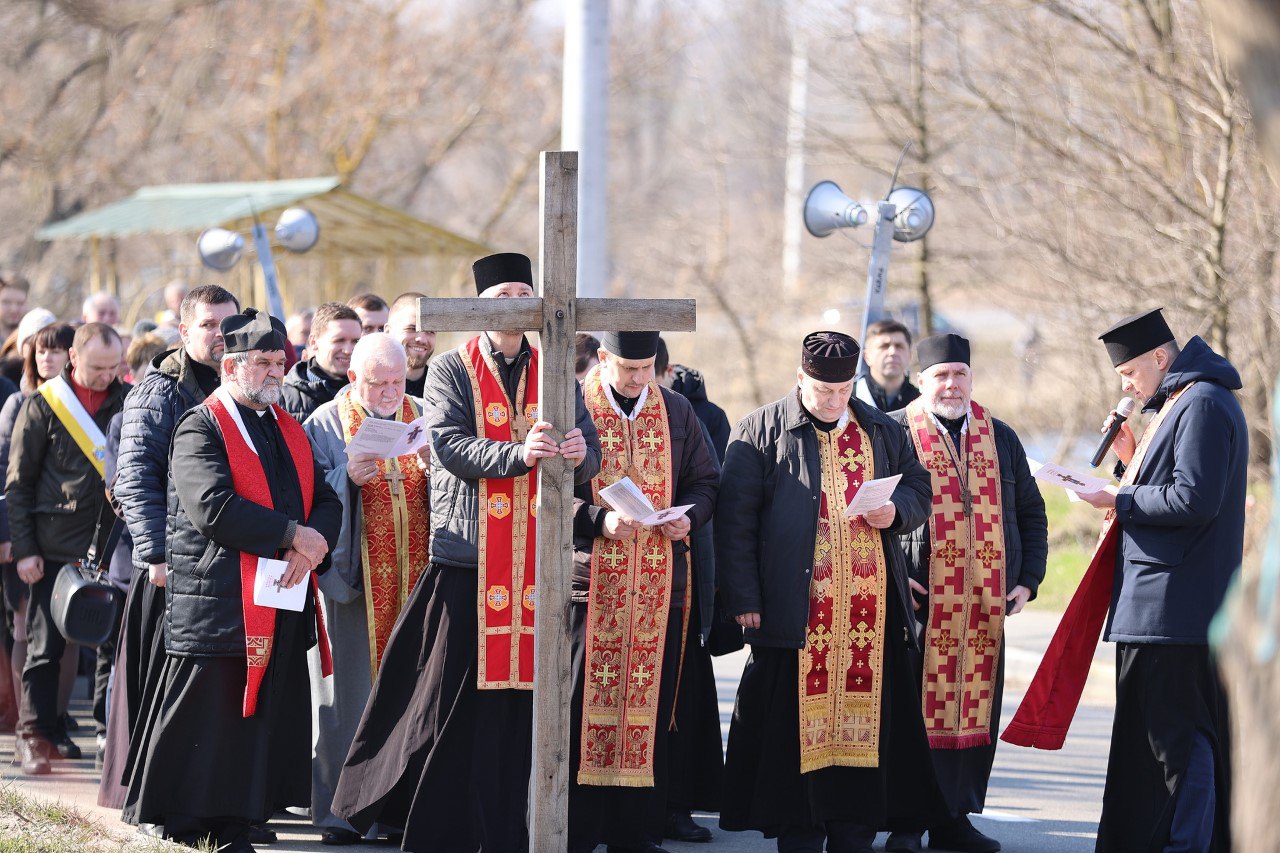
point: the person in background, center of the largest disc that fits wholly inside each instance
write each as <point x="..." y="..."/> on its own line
<point x="419" y="344"/>
<point x="100" y="307"/>
<point x="299" y="330"/>
<point x="316" y="381"/>
<point x="14" y="289"/>
<point x="888" y="357"/>
<point x="586" y="349"/>
<point x="373" y="311"/>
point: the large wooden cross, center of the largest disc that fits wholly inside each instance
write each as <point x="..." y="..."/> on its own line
<point x="557" y="314"/>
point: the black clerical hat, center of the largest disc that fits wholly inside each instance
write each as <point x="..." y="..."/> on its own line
<point x="630" y="345"/>
<point x="829" y="356"/>
<point x="252" y="330"/>
<point x="1135" y="335"/>
<point x="500" y="269"/>
<point x="942" y="349"/>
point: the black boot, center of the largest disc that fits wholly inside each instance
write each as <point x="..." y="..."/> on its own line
<point x="681" y="827"/>
<point x="960" y="836"/>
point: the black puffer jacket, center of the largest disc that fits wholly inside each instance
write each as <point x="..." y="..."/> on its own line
<point x="459" y="459"/>
<point x="151" y="413"/>
<point x="307" y="388"/>
<point x="210" y="525"/>
<point x="1026" y="528"/>
<point x="55" y="495"/>
<point x="767" y="516"/>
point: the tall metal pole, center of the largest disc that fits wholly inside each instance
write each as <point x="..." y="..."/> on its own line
<point x="792" y="210"/>
<point x="584" y="127"/>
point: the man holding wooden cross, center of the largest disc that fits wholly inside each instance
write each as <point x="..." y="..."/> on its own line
<point x="444" y="749"/>
<point x="632" y="576"/>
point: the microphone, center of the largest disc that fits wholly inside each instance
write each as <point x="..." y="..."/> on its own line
<point x="1123" y="410"/>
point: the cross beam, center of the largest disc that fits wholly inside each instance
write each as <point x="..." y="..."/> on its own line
<point x="557" y="315"/>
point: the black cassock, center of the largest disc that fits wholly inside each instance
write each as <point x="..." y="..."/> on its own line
<point x="434" y="755"/>
<point x="764" y="788"/>
<point x="197" y="764"/>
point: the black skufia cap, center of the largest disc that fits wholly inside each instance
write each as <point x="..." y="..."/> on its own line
<point x="500" y="269"/>
<point x="630" y="345"/>
<point x="1135" y="335"/>
<point x="829" y="356"/>
<point x="252" y="330"/>
<point x="942" y="349"/>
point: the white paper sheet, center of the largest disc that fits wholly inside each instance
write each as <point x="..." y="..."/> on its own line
<point x="872" y="494"/>
<point x="389" y="439"/>
<point x="627" y="499"/>
<point x="267" y="591"/>
<point x="1071" y="481"/>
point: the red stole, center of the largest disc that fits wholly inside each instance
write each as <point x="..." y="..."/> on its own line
<point x="395" y="531"/>
<point x="842" y="662"/>
<point x="507" y="543"/>
<point x="1044" y="716"/>
<point x="629" y="599"/>
<point x="966" y="579"/>
<point x="250" y="482"/>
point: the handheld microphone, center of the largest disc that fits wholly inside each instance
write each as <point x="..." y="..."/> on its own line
<point x="1123" y="410"/>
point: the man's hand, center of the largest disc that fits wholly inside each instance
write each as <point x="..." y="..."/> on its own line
<point x="299" y="568"/>
<point x="6" y="552"/>
<point x="882" y="517"/>
<point x="676" y="528"/>
<point x="31" y="569"/>
<point x="619" y="526"/>
<point x="362" y="468"/>
<point x="574" y="446"/>
<point x="1017" y="598"/>
<point x="424" y="456"/>
<point x="918" y="588"/>
<point x="1125" y="444"/>
<point x="748" y="620"/>
<point x="309" y="543"/>
<point x="538" y="444"/>
<point x="158" y="574"/>
<point x="1105" y="499"/>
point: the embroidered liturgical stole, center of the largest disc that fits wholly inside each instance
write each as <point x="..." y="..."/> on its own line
<point x="966" y="578"/>
<point x="507" y="544"/>
<point x="395" y="532"/>
<point x="842" y="662"/>
<point x="250" y="482"/>
<point x="629" y="599"/>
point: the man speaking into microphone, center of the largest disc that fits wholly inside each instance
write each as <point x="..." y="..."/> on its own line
<point x="1179" y="511"/>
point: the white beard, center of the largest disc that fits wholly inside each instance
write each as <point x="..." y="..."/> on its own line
<point x="950" y="409"/>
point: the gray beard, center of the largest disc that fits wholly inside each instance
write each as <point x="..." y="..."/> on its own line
<point x="952" y="411"/>
<point x="264" y="396"/>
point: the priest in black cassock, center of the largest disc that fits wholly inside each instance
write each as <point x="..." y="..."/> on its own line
<point x="827" y="741"/>
<point x="228" y="737"/>
<point x="445" y="747"/>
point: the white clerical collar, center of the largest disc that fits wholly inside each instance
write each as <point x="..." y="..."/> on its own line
<point x="224" y="394"/>
<point x="635" y="410"/>
<point x="844" y="419"/>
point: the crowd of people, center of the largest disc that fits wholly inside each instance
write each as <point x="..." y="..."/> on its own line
<point x="327" y="629"/>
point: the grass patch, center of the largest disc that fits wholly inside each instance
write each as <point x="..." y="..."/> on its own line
<point x="1073" y="532"/>
<point x="36" y="825"/>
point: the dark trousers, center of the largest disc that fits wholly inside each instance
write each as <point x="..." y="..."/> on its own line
<point x="45" y="646"/>
<point x="102" y="675"/>
<point x="841" y="836"/>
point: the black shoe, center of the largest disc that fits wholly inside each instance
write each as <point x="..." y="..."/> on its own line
<point x="681" y="827"/>
<point x="260" y="834"/>
<point x="65" y="747"/>
<point x="960" y="836"/>
<point x="69" y="723"/>
<point x="645" y="847"/>
<point x="30" y="754"/>
<point x="338" y="837"/>
<point x="904" y="842"/>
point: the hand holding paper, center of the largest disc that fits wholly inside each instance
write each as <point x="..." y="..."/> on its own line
<point x="388" y="439"/>
<point x="1081" y="484"/>
<point x="269" y="589"/>
<point x="872" y="495"/>
<point x="627" y="499"/>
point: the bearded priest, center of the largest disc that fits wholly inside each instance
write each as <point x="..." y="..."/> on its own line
<point x="228" y="739"/>
<point x="979" y="559"/>
<point x="827" y="743"/>
<point x="381" y="553"/>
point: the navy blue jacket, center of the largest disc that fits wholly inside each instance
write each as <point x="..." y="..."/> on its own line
<point x="1182" y="520"/>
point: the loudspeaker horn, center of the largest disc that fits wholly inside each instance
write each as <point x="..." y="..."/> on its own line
<point x="828" y="208"/>
<point x="219" y="248"/>
<point x="297" y="230"/>
<point x="915" y="213"/>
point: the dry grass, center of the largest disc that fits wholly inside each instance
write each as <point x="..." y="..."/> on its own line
<point x="33" y="825"/>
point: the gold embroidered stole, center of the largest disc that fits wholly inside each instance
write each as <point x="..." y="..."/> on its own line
<point x="842" y="663"/>
<point x="966" y="579"/>
<point x="506" y="546"/>
<point x="395" y="529"/>
<point x="628" y="601"/>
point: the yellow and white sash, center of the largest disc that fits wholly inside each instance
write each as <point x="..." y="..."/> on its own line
<point x="75" y="418"/>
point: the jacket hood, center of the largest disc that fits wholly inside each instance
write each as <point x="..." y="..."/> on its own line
<point x="1197" y="363"/>
<point x="311" y="383"/>
<point x="689" y="383"/>
<point x="169" y="362"/>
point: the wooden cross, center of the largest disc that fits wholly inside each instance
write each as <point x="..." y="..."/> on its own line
<point x="393" y="476"/>
<point x="557" y="315"/>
